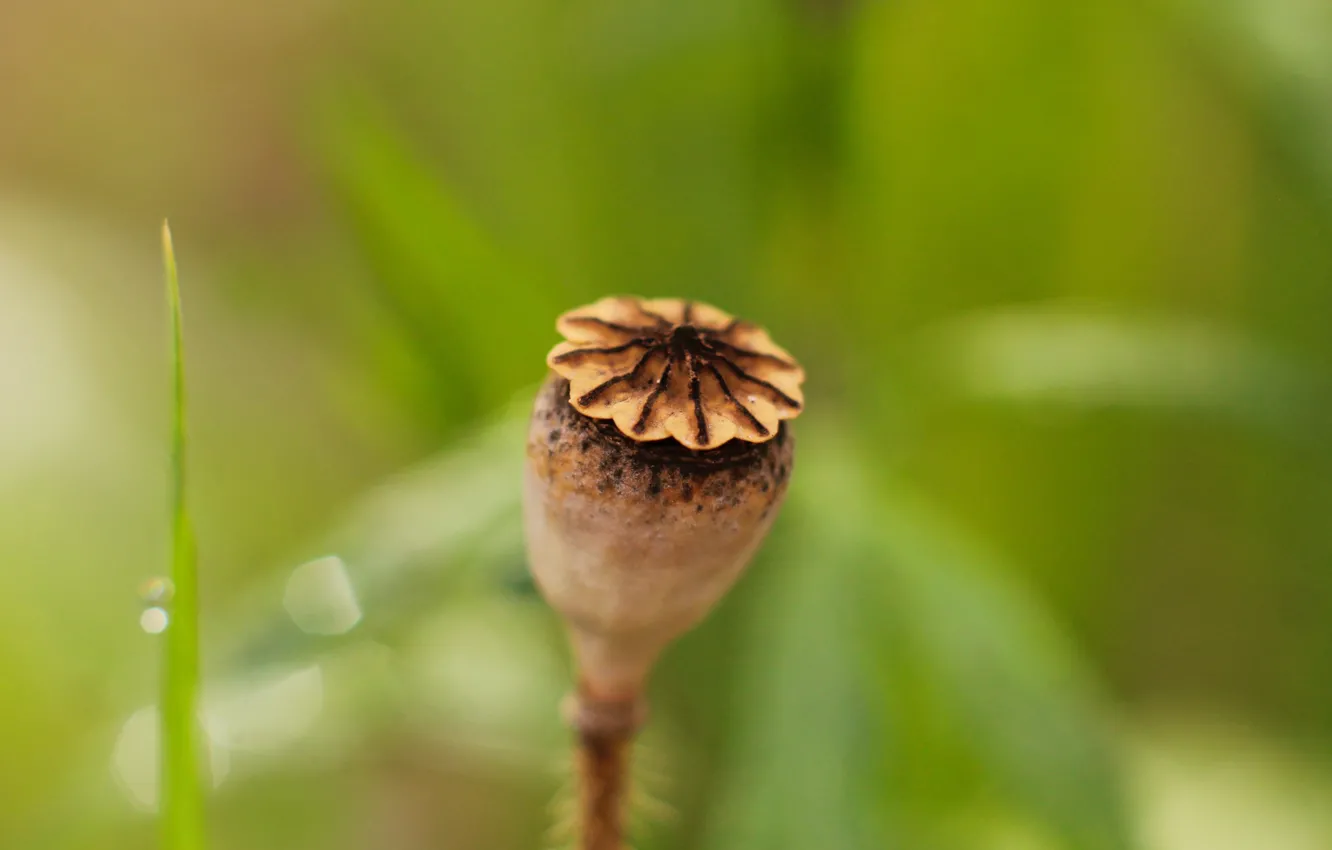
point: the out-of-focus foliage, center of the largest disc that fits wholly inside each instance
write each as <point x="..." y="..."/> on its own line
<point x="1056" y="567"/>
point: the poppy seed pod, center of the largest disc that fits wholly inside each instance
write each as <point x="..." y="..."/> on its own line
<point x="657" y="459"/>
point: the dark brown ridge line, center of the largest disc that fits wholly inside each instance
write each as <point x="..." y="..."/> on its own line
<point x="593" y="320"/>
<point x="745" y="352"/>
<point x="695" y="393"/>
<point x="652" y="314"/>
<point x="688" y="315"/>
<point x="641" y="425"/>
<point x="591" y="395"/>
<point x="642" y="341"/>
<point x="745" y="376"/>
<point x="730" y="396"/>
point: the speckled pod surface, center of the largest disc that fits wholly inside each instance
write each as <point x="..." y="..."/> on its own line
<point x="634" y="542"/>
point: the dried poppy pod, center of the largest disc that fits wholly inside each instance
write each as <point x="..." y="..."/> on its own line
<point x="657" y="459"/>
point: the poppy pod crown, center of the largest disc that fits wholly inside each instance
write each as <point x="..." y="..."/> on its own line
<point x="667" y="368"/>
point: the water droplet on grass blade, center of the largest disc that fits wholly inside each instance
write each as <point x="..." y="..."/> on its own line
<point x="157" y="590"/>
<point x="154" y="620"/>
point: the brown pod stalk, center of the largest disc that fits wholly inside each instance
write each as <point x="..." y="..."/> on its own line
<point x="657" y="459"/>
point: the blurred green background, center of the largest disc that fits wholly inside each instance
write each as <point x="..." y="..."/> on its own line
<point x="1056" y="567"/>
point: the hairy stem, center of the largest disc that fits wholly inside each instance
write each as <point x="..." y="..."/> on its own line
<point x="603" y="765"/>
<point x="605" y="730"/>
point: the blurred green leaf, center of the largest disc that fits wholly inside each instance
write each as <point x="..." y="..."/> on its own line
<point x="478" y="319"/>
<point x="805" y="736"/>
<point x="897" y="684"/>
<point x="1278" y="55"/>
<point x="1083" y="356"/>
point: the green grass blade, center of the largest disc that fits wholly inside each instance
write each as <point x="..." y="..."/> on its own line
<point x="181" y="794"/>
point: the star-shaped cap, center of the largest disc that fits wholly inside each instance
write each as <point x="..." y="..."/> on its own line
<point x="666" y="367"/>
